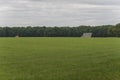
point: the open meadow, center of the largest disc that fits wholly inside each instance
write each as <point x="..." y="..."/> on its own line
<point x="59" y="58"/>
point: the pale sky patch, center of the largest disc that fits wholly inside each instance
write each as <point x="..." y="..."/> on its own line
<point x="59" y="12"/>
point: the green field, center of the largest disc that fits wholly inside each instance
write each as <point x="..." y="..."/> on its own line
<point x="59" y="59"/>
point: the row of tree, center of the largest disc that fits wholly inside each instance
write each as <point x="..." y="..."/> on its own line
<point x="97" y="31"/>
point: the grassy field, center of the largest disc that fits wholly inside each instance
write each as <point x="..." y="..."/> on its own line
<point x="59" y="59"/>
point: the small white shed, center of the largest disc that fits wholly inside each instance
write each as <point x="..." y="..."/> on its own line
<point x="87" y="35"/>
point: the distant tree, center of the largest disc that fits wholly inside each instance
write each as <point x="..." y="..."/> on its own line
<point x="115" y="31"/>
<point x="38" y="31"/>
<point x="100" y="31"/>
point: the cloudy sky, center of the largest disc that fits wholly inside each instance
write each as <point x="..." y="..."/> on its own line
<point x="59" y="12"/>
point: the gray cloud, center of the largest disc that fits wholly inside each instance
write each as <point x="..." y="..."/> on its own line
<point x="59" y="12"/>
<point x="97" y="2"/>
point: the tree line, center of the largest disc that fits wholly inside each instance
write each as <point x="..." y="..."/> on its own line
<point x="97" y="31"/>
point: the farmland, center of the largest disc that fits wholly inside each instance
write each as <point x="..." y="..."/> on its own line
<point x="59" y="58"/>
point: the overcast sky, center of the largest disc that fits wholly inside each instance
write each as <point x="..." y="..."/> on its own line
<point x="59" y="12"/>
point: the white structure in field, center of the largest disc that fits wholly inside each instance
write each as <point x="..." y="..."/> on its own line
<point x="17" y="36"/>
<point x="87" y="35"/>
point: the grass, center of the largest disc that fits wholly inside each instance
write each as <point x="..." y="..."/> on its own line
<point x="59" y="59"/>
